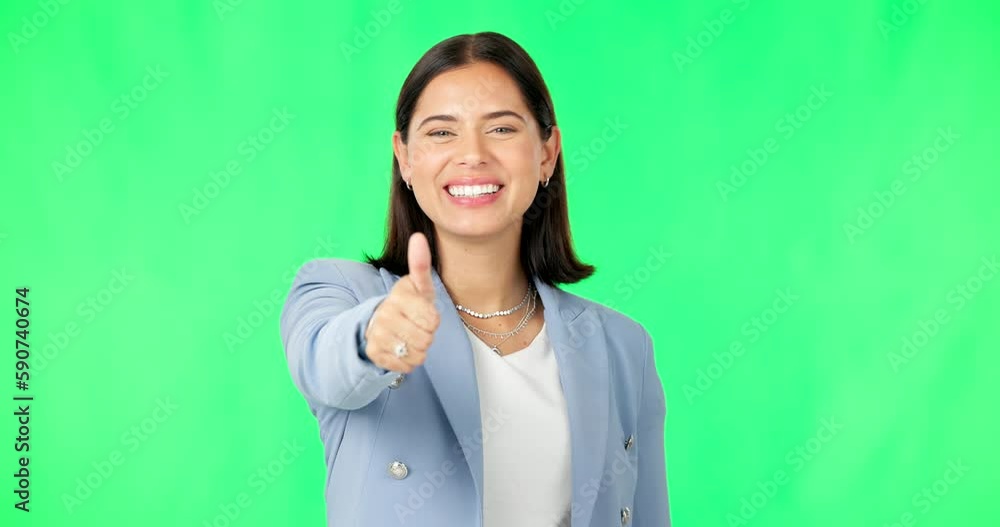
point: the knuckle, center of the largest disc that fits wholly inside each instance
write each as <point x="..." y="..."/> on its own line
<point x="405" y="284"/>
<point x="395" y="292"/>
<point x="390" y="300"/>
<point x="395" y="299"/>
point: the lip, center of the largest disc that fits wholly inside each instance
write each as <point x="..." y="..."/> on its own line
<point x="467" y="201"/>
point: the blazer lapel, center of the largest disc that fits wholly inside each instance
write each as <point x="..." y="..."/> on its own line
<point x="583" y="372"/>
<point x="452" y="373"/>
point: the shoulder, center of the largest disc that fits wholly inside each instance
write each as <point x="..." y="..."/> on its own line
<point x="617" y="326"/>
<point x="625" y="341"/>
<point x="360" y="277"/>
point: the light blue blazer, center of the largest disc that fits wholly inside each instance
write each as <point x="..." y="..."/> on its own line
<point x="427" y="426"/>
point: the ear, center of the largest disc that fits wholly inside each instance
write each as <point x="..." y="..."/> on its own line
<point x="401" y="152"/>
<point x="550" y="153"/>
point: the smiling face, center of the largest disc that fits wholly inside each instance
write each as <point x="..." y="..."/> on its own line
<point x="475" y="154"/>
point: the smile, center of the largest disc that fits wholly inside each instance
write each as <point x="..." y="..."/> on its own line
<point x="472" y="191"/>
<point x="473" y="195"/>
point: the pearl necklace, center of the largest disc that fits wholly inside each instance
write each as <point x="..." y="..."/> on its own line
<point x="507" y="334"/>
<point x="501" y="313"/>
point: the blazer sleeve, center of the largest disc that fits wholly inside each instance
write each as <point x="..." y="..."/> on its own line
<point x="651" y="507"/>
<point x="322" y="330"/>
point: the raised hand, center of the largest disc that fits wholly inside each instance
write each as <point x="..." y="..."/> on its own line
<point x="407" y="315"/>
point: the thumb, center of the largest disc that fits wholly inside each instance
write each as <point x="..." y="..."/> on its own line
<point x="418" y="256"/>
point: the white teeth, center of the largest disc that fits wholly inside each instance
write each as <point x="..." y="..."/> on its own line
<point x="472" y="190"/>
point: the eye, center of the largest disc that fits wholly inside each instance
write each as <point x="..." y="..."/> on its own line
<point x="503" y="130"/>
<point x="439" y="133"/>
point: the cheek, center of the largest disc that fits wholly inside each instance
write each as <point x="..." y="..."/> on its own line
<point x="524" y="195"/>
<point x="521" y="159"/>
<point x="427" y="158"/>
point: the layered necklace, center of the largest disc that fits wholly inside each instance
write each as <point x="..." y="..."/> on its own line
<point x="530" y="300"/>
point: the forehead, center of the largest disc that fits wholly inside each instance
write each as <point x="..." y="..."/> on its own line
<point x="469" y="91"/>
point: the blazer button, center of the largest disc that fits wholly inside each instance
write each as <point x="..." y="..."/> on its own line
<point x="626" y="515"/>
<point x="629" y="442"/>
<point x="398" y="470"/>
<point x="397" y="381"/>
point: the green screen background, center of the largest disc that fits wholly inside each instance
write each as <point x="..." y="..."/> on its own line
<point x="821" y="419"/>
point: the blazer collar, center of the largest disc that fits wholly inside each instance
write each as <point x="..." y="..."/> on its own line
<point x="583" y="372"/>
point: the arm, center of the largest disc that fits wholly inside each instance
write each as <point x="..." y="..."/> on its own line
<point x="322" y="330"/>
<point x="651" y="504"/>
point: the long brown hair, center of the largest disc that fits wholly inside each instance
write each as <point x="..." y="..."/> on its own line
<point x="546" y="244"/>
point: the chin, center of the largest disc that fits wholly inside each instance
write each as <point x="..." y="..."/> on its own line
<point x="475" y="228"/>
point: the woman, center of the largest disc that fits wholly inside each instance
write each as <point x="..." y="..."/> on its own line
<point x="453" y="382"/>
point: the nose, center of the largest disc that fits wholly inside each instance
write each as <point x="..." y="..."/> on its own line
<point x="471" y="152"/>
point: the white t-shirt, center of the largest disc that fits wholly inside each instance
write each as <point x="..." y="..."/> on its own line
<point x="526" y="442"/>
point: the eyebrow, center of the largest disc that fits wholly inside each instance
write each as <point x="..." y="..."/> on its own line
<point x="488" y="116"/>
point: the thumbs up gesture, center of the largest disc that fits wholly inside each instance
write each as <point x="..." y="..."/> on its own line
<point x="403" y="325"/>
